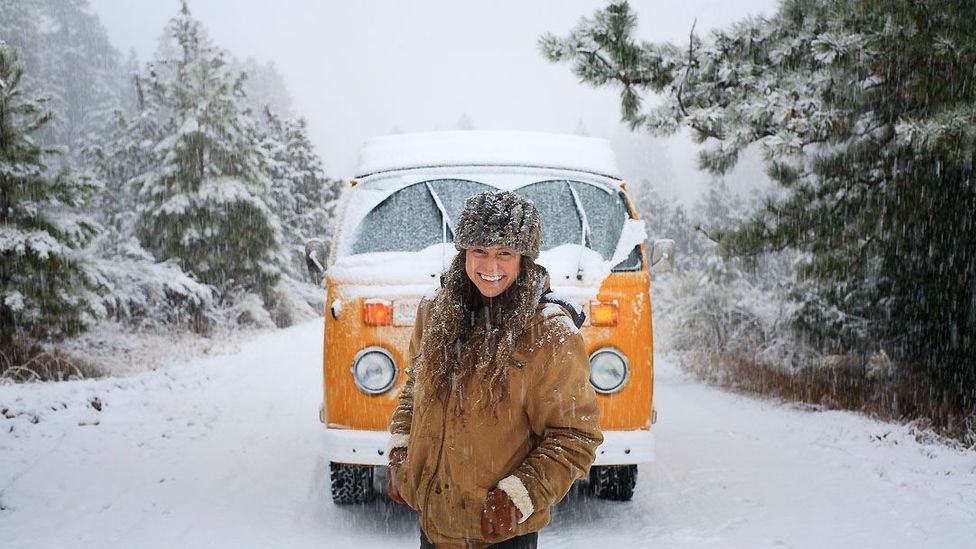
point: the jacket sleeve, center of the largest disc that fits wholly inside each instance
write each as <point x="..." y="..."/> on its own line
<point x="563" y="411"/>
<point x="403" y="414"/>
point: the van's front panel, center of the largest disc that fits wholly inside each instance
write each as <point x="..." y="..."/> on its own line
<point x="347" y="406"/>
<point x="631" y="406"/>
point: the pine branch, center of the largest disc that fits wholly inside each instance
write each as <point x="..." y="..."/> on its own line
<point x="691" y="44"/>
<point x="612" y="72"/>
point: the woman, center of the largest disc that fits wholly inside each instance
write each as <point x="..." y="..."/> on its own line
<point x="497" y="418"/>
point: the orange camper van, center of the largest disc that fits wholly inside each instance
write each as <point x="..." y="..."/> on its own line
<point x="393" y="239"/>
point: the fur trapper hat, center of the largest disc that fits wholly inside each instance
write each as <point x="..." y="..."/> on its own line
<point x="500" y="218"/>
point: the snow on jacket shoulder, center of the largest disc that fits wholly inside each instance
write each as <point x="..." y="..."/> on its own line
<point x="537" y="442"/>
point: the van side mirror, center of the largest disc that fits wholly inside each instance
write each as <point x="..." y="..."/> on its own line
<point x="662" y="255"/>
<point x="315" y="254"/>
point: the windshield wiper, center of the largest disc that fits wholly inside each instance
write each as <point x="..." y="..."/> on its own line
<point x="584" y="229"/>
<point x="445" y="218"/>
<point x="446" y="223"/>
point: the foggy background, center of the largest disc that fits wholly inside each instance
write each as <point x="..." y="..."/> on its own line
<point x="366" y="68"/>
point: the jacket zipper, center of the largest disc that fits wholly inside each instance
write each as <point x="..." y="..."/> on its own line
<point x="440" y="454"/>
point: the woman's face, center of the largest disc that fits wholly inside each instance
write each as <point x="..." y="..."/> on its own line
<point x="493" y="269"/>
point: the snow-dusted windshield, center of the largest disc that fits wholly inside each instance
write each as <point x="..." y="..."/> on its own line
<point x="410" y="219"/>
<point x="604" y="212"/>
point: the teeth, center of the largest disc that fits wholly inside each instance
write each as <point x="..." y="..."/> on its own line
<point x="495" y="278"/>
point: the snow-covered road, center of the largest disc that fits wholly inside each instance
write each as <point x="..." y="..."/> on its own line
<point x="226" y="452"/>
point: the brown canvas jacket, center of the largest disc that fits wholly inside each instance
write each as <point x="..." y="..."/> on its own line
<point x="543" y="437"/>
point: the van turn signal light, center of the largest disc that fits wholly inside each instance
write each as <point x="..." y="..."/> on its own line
<point x="377" y="312"/>
<point x="603" y="314"/>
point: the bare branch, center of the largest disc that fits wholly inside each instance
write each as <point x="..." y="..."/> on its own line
<point x="702" y="230"/>
<point x="691" y="43"/>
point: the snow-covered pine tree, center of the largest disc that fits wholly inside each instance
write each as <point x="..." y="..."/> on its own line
<point x="67" y="56"/>
<point x="581" y="128"/>
<point x="42" y="287"/>
<point x="464" y="122"/>
<point x="123" y="153"/>
<point x="84" y="68"/>
<point x="302" y="197"/>
<point x="203" y="201"/>
<point x="726" y="309"/>
<point x="864" y="112"/>
<point x="264" y="88"/>
<point x="19" y="29"/>
<point x="665" y="219"/>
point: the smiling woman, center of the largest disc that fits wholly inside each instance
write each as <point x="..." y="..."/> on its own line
<point x="497" y="398"/>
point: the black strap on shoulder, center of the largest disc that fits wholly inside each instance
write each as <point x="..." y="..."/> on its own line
<point x="574" y="310"/>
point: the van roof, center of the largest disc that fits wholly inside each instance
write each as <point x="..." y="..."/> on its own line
<point x="487" y="148"/>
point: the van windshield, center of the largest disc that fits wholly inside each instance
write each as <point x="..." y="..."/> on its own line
<point x="570" y="207"/>
<point x="573" y="212"/>
<point x="410" y="219"/>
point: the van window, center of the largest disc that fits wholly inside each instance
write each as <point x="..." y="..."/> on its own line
<point x="605" y="214"/>
<point x="409" y="220"/>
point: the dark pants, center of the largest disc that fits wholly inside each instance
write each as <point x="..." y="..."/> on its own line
<point x="528" y="541"/>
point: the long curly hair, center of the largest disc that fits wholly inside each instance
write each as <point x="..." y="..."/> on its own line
<point x="446" y="361"/>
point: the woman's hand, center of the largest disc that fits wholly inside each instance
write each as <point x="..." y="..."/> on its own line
<point x="397" y="457"/>
<point x="500" y="515"/>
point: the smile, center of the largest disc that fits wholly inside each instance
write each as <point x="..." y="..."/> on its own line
<point x="495" y="278"/>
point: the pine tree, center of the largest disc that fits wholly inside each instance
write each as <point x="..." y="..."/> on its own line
<point x="18" y="24"/>
<point x="464" y="122"/>
<point x="67" y="56"/>
<point x="264" y="87"/>
<point x="864" y="111"/>
<point x="302" y="197"/>
<point x="203" y="201"/>
<point x="121" y="156"/>
<point x="42" y="286"/>
<point x="135" y="287"/>
<point x="581" y="128"/>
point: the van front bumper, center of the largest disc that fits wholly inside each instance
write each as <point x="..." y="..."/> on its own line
<point x="625" y="448"/>
<point x="355" y="446"/>
<point x="369" y="447"/>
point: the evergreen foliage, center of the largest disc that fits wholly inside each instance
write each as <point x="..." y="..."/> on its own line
<point x="68" y="57"/>
<point x="43" y="290"/>
<point x="664" y="220"/>
<point x="865" y="112"/>
<point x="302" y="197"/>
<point x="464" y="122"/>
<point x="202" y="202"/>
<point x="727" y="305"/>
<point x="199" y="196"/>
<point x="264" y="88"/>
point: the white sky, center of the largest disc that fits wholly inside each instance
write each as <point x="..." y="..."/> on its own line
<point x="359" y="69"/>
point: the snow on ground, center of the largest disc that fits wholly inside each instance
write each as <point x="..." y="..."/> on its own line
<point x="225" y="451"/>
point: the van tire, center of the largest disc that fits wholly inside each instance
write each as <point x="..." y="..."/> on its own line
<point x="351" y="484"/>
<point x="613" y="482"/>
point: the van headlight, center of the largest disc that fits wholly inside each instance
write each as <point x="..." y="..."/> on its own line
<point x="608" y="370"/>
<point x="374" y="370"/>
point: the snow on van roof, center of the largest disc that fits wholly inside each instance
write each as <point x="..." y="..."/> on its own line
<point x="487" y="148"/>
